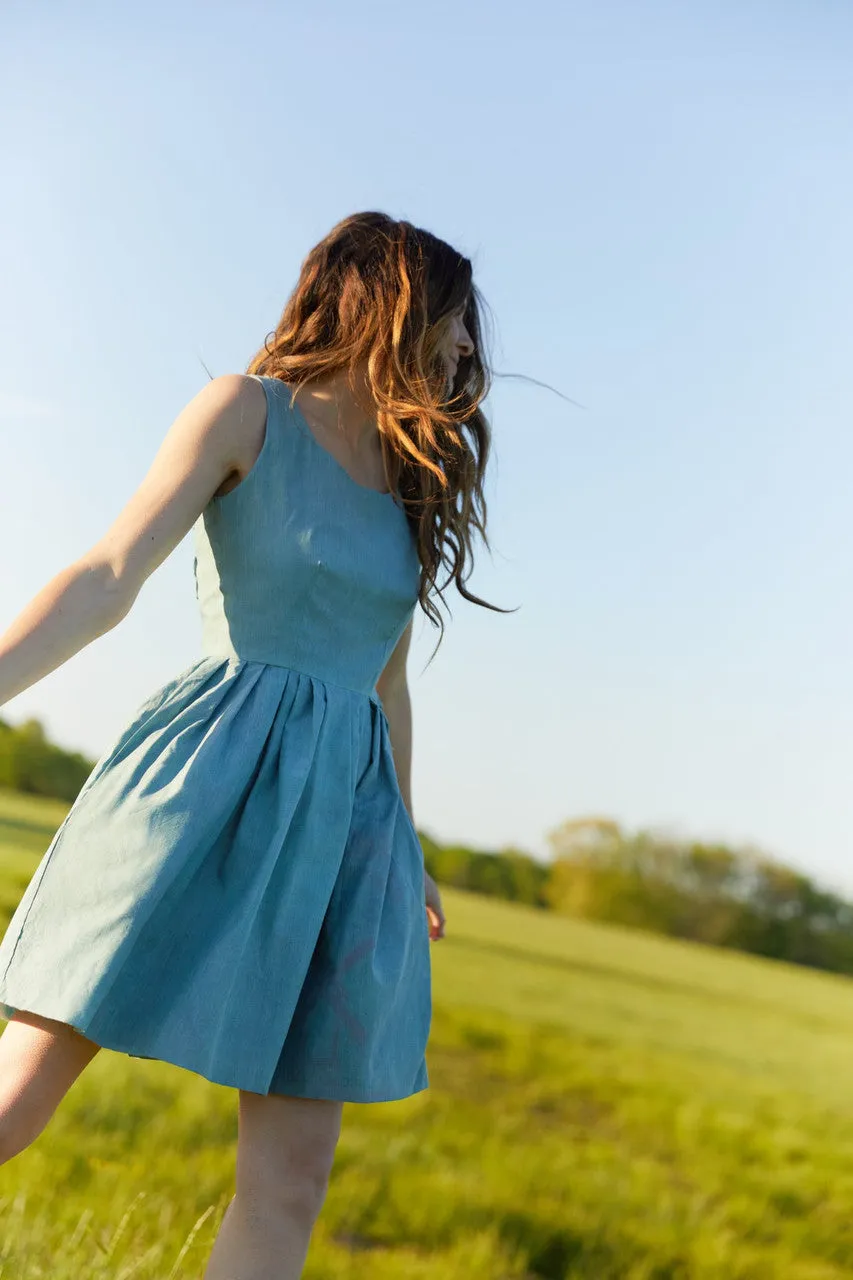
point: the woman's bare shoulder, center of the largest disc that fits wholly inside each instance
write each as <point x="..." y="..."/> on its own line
<point x="239" y="404"/>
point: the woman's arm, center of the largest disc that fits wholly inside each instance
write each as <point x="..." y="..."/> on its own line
<point x="218" y="433"/>
<point x="393" y="689"/>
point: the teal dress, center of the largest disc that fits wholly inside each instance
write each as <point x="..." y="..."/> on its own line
<point x="238" y="888"/>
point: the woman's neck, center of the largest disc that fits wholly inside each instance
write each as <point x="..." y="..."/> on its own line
<point x="342" y="406"/>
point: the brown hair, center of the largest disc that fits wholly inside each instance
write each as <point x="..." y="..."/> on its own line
<point x="381" y="291"/>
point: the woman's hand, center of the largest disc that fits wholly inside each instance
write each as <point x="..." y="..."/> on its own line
<point x="435" y="914"/>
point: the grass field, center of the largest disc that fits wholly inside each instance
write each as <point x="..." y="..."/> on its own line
<point x="602" y="1104"/>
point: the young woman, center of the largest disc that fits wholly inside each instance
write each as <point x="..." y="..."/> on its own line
<point x="239" y="888"/>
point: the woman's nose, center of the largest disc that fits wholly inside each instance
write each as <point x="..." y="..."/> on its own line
<point x="463" y="342"/>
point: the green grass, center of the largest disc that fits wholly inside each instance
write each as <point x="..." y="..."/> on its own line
<point x="603" y="1104"/>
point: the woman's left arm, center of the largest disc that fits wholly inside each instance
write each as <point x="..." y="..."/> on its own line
<point x="396" y="702"/>
<point x="393" y="689"/>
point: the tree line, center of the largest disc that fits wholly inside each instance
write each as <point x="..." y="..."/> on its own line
<point x="712" y="893"/>
<point x="30" y="762"/>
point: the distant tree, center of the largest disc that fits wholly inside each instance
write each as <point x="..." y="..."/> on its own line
<point x="526" y="876"/>
<point x="30" y="762"/>
<point x="509" y="873"/>
<point x="726" y="897"/>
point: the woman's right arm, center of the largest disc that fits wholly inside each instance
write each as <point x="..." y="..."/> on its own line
<point x="219" y="433"/>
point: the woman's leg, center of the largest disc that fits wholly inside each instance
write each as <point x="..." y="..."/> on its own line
<point x="285" y="1150"/>
<point x="39" y="1061"/>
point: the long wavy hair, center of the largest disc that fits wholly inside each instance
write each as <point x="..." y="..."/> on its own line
<point x="382" y="293"/>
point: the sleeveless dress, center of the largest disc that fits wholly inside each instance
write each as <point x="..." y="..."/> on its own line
<point x="238" y="888"/>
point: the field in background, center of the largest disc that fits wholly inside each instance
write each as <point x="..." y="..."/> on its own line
<point x="603" y="1104"/>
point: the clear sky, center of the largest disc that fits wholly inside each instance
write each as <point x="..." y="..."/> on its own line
<point x="657" y="198"/>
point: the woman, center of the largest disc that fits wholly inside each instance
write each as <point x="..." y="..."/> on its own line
<point x="239" y="889"/>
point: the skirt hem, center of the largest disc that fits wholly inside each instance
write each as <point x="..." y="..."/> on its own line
<point x="294" y="1089"/>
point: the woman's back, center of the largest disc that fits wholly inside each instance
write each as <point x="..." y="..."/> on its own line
<point x="301" y="566"/>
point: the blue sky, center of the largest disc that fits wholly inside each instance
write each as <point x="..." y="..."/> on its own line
<point x="657" y="199"/>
